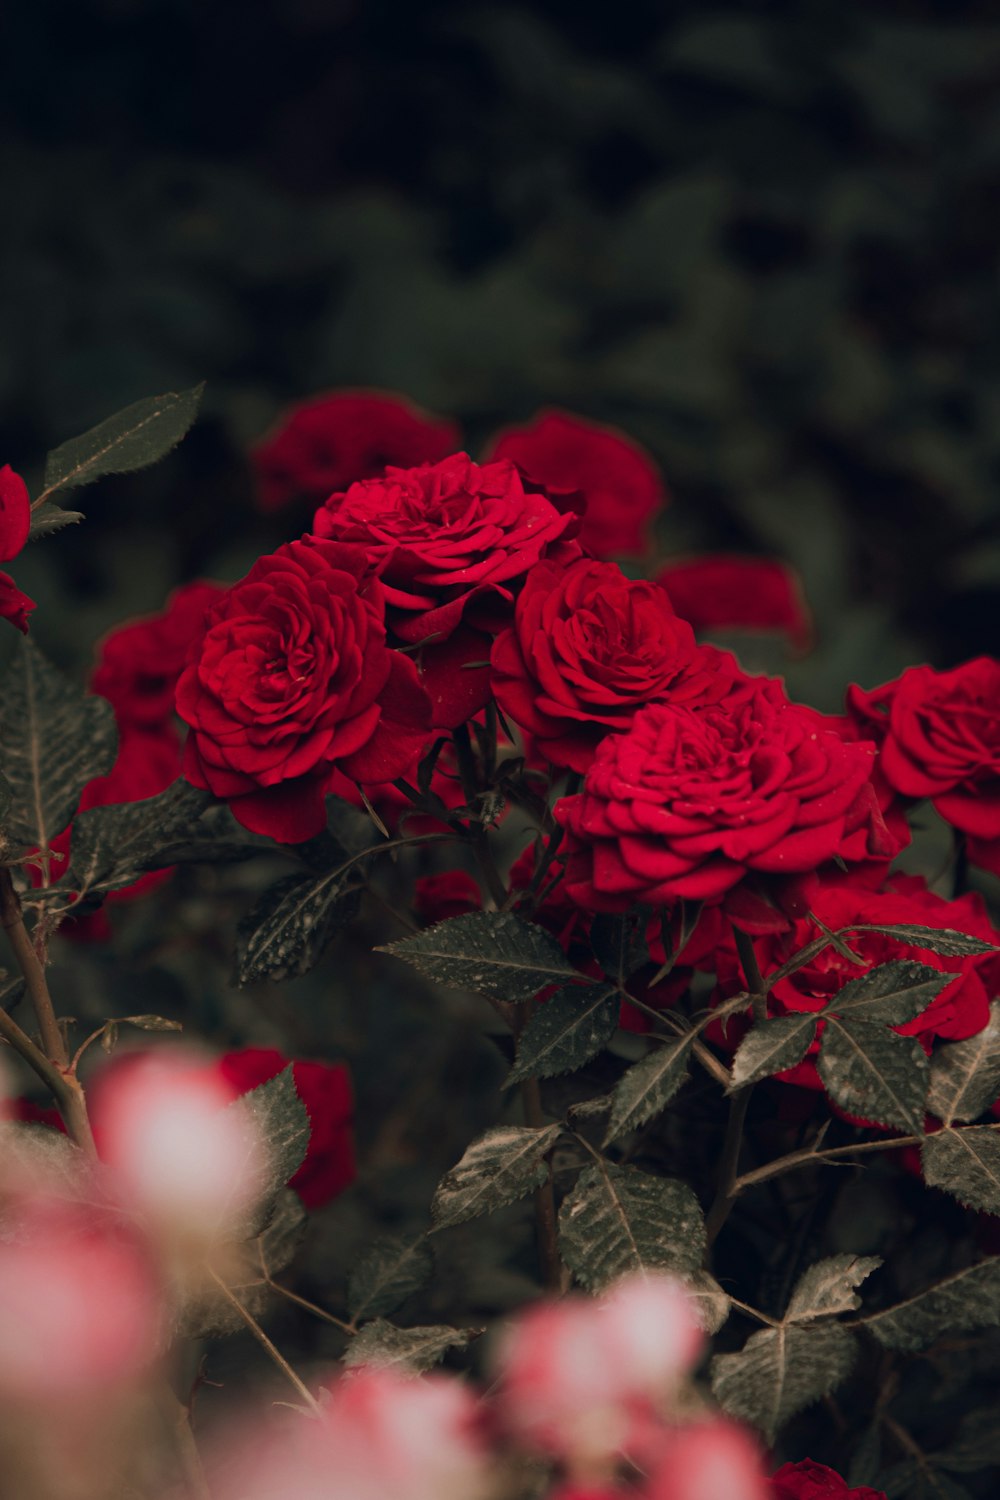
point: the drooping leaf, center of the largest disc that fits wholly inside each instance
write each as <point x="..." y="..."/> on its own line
<point x="892" y="993"/>
<point x="404" y="1349"/>
<point x="54" y="738"/>
<point x="492" y="953"/>
<point x="648" y="1086"/>
<point x="965" y="1076"/>
<point x="279" y="1123"/>
<point x="50" y="518"/>
<point x="829" y="1287"/>
<point x="618" y="1219"/>
<point x="113" y="845"/>
<point x="132" y="439"/>
<point x="966" y="1163"/>
<point x="780" y="1371"/>
<point x="874" y="1073"/>
<point x="969" y="1299"/>
<point x="566" y="1031"/>
<point x="505" y="1164"/>
<point x="943" y="940"/>
<point x="773" y="1046"/>
<point x="619" y="943"/>
<point x="390" y="1271"/>
<point x="286" y="932"/>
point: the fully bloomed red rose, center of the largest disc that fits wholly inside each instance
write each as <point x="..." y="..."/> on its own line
<point x="811" y="1481"/>
<point x="691" y="800"/>
<point x="942" y="741"/>
<point x="724" y="592"/>
<point x="960" y="1010"/>
<point x="329" y="442"/>
<point x="589" y="648"/>
<point x="453" y="542"/>
<point x="291" y="678"/>
<point x="15" y="520"/>
<point x="138" y="663"/>
<point x="619" y="481"/>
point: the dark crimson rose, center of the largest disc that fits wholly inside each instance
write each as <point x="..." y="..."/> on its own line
<point x="961" y="1009"/>
<point x="325" y="1090"/>
<point x="621" y="485"/>
<point x="327" y="443"/>
<point x="811" y="1481"/>
<point x="690" y="800"/>
<point x="452" y="542"/>
<point x="453" y="893"/>
<point x="942" y="741"/>
<point x="724" y="592"/>
<point x="588" y="648"/>
<point x="292" y="678"/>
<point x="15" y="519"/>
<point x="138" y="663"/>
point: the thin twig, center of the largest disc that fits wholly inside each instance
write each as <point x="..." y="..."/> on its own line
<point x="726" y="1190"/>
<point x="807" y="1156"/>
<point x="751" y="973"/>
<point x="317" y="1311"/>
<point x="279" y="1359"/>
<point x="12" y="920"/>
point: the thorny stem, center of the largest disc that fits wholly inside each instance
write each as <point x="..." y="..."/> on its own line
<point x="807" y="1156"/>
<point x="751" y="972"/>
<point x="279" y="1359"/>
<point x="705" y="1056"/>
<point x="317" y="1311"/>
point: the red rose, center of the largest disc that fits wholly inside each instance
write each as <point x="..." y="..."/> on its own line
<point x="723" y="592"/>
<point x="588" y="648"/>
<point x="961" y="1009"/>
<point x="453" y="542"/>
<point x="15" y="519"/>
<point x="325" y="1090"/>
<point x="139" y="663"/>
<point x="942" y="741"/>
<point x="453" y="893"/>
<point x="618" y="480"/>
<point x="327" y="443"/>
<point x="690" y="800"/>
<point x="811" y="1481"/>
<point x="291" y="678"/>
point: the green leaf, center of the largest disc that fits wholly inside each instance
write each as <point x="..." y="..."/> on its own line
<point x="113" y="845"/>
<point x="772" y="1046"/>
<point x="920" y="1479"/>
<point x="976" y="1444"/>
<point x="648" y="1086"/>
<point x="619" y="943"/>
<point x="780" y="1371"/>
<point x="492" y="953"/>
<point x="874" y="1073"/>
<point x="53" y="740"/>
<point x="618" y="1219"/>
<point x="132" y="439"/>
<point x="505" y="1164"/>
<point x="969" y="1299"/>
<point x="943" y="940"/>
<point x="50" y="518"/>
<point x="415" y="1349"/>
<point x="711" y="1304"/>
<point x="966" y="1163"/>
<point x="828" y="1287"/>
<point x="965" y="1076"/>
<point x="391" y="1270"/>
<point x="286" y="932"/>
<point x="566" y="1030"/>
<point x="892" y="993"/>
<point x="281" y="1124"/>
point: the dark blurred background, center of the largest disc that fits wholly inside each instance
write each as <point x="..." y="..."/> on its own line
<point x="760" y="237"/>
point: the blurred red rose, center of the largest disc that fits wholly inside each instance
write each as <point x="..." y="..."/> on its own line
<point x="15" y="519"/>
<point x="811" y="1481"/>
<point x="588" y="648"/>
<point x="733" y="592"/>
<point x="452" y="543"/>
<point x="621" y="485"/>
<point x="689" y="801"/>
<point x="942" y="741"/>
<point x="329" y="442"/>
<point x="293" y="677"/>
<point x="453" y="893"/>
<point x="138" y="663"/>
<point x="325" y="1090"/>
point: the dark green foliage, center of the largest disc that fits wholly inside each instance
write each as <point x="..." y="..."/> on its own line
<point x="493" y="953"/>
<point x="618" y="1219"/>
<point x="132" y="439"/>
<point x="391" y="1270"/>
<point x="565" y="1031"/>
<point x="503" y="1165"/>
